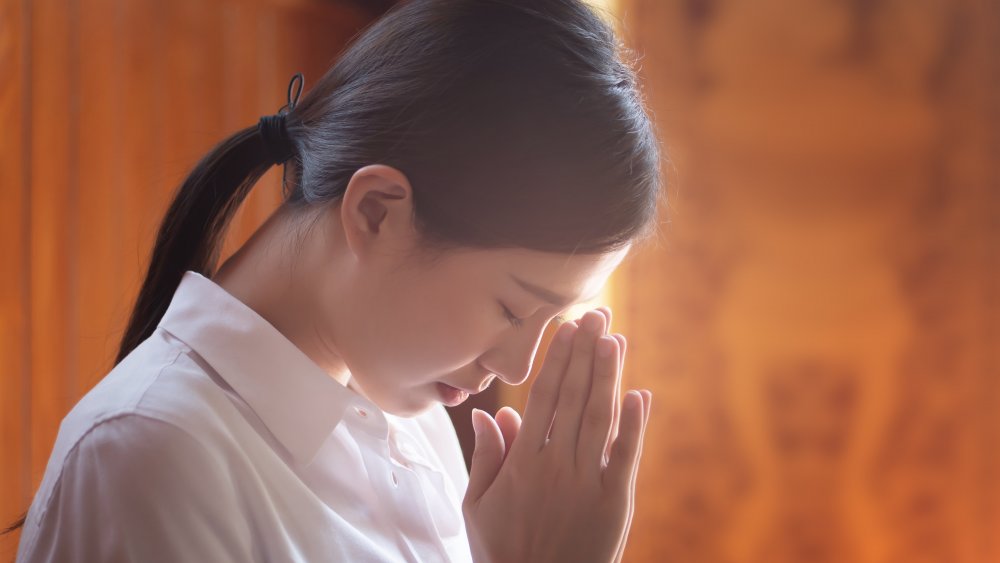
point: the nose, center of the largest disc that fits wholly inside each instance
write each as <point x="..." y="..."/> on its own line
<point x="512" y="359"/>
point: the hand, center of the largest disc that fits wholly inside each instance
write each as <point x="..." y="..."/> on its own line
<point x="567" y="493"/>
<point x="509" y="422"/>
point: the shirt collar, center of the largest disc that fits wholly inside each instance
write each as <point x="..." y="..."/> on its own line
<point x="297" y="400"/>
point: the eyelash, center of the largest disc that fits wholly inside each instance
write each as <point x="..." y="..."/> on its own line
<point x="516" y="322"/>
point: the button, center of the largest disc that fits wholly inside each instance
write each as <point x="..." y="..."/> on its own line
<point x="395" y="482"/>
<point x="361" y="412"/>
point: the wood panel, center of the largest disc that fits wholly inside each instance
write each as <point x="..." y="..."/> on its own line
<point x="106" y="106"/>
<point x="819" y="322"/>
<point x="49" y="258"/>
<point x="15" y="362"/>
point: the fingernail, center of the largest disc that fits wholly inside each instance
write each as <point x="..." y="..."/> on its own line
<point x="477" y="421"/>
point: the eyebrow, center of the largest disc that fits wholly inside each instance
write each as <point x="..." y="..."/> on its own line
<point x="545" y="294"/>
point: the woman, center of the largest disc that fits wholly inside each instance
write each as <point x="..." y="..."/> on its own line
<point x="466" y="171"/>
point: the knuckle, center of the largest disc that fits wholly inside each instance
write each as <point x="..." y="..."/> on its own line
<point x="571" y="394"/>
<point x="479" y="452"/>
<point x="605" y="369"/>
<point x="584" y="349"/>
<point x="597" y="417"/>
<point x="560" y="351"/>
<point x="543" y="391"/>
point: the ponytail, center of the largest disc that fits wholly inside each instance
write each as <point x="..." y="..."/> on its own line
<point x="192" y="232"/>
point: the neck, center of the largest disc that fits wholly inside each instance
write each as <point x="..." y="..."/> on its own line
<point x="271" y="274"/>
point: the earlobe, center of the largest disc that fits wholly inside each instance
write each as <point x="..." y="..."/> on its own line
<point x="377" y="204"/>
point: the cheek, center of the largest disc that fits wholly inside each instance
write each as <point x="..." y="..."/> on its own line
<point x="423" y="335"/>
<point x="451" y="335"/>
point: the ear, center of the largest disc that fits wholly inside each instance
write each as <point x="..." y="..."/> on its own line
<point x="376" y="209"/>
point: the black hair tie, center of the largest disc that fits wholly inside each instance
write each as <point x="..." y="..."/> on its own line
<point x="272" y="128"/>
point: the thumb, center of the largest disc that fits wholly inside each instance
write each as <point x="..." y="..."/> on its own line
<point x="487" y="457"/>
<point x="510" y="424"/>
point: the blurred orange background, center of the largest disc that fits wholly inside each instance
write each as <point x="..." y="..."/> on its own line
<point x="818" y="321"/>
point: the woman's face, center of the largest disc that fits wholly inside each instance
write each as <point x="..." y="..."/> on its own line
<point x="416" y="328"/>
<point x="402" y="325"/>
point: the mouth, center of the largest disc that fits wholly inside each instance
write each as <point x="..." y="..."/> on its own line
<point x="452" y="396"/>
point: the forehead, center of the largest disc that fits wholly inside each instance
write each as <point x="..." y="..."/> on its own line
<point x="571" y="275"/>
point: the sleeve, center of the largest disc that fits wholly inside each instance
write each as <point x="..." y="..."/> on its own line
<point x="135" y="488"/>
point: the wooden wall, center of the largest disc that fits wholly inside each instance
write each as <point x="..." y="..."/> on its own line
<point x="819" y="323"/>
<point x="104" y="107"/>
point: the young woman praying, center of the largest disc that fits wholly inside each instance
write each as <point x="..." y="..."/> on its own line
<point x="463" y="174"/>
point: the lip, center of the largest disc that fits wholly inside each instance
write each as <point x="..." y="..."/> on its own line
<point x="452" y="396"/>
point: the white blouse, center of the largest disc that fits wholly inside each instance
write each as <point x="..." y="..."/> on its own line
<point x="217" y="440"/>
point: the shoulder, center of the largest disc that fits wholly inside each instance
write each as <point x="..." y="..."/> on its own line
<point x="161" y="380"/>
<point x="130" y="488"/>
<point x="132" y="459"/>
<point x="156" y="408"/>
<point x="145" y="445"/>
<point x="131" y="446"/>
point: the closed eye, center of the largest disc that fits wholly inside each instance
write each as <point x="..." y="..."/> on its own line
<point x="517" y="322"/>
<point x="514" y="321"/>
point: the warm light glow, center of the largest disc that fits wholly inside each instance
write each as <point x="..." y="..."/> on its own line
<point x="517" y="396"/>
<point x="606" y="8"/>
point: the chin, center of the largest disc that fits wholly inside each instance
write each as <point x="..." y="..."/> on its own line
<point x="409" y="410"/>
<point x="411" y="404"/>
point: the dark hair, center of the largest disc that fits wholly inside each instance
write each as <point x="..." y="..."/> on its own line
<point x="516" y="122"/>
<point x="519" y="123"/>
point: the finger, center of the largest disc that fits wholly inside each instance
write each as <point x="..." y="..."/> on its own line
<point x="647" y="399"/>
<point x="575" y="389"/>
<point x="487" y="457"/>
<point x="596" y="423"/>
<point x="618" y="386"/>
<point x="541" y="403"/>
<point x="606" y="311"/>
<point x="625" y="452"/>
<point x="510" y="423"/>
